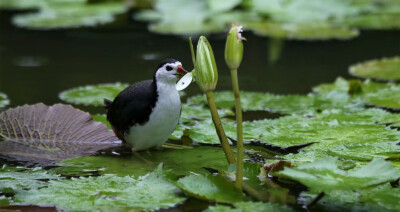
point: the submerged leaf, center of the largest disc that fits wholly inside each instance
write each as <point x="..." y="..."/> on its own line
<point x="93" y="94"/>
<point x="324" y="175"/>
<point x="215" y="188"/>
<point x="3" y="100"/>
<point x="40" y="133"/>
<point x="109" y="192"/>
<point x="180" y="161"/>
<point x="384" y="69"/>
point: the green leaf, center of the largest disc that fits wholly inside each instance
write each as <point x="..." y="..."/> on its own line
<point x="250" y="207"/>
<point x="375" y="21"/>
<point x="3" y="100"/>
<point x="14" y="180"/>
<point x="324" y="175"/>
<point x="180" y="161"/>
<point x="93" y="95"/>
<point x="385" y="196"/>
<point x="222" y="5"/>
<point x="301" y="31"/>
<point x="109" y="192"/>
<point x="21" y="4"/>
<point x="374" y="93"/>
<point x="46" y="134"/>
<point x="383" y="69"/>
<point x="69" y="14"/>
<point x="288" y="104"/>
<point x="215" y="188"/>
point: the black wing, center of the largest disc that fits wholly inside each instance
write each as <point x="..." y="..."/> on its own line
<point x="132" y="106"/>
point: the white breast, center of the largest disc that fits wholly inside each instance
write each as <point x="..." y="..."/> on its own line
<point x="162" y="121"/>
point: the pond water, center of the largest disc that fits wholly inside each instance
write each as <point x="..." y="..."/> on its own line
<point x="36" y="66"/>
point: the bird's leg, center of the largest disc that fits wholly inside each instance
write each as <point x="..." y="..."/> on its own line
<point x="137" y="154"/>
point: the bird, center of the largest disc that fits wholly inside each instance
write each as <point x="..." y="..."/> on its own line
<point x="146" y="113"/>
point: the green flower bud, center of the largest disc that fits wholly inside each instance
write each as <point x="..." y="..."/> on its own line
<point x="206" y="74"/>
<point x="234" y="47"/>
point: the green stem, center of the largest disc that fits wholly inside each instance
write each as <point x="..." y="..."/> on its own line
<point x="239" y="145"/>
<point x="219" y="128"/>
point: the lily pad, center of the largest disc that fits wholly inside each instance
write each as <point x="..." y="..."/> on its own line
<point x="215" y="188"/>
<point x="374" y="21"/>
<point x="384" y="69"/>
<point x="324" y="175"/>
<point x="385" y="196"/>
<point x="46" y="134"/>
<point x="194" y="161"/>
<point x="21" y="4"/>
<point x="288" y="104"/>
<point x="109" y="192"/>
<point x="14" y="180"/>
<point x="69" y="14"/>
<point x="3" y="100"/>
<point x="93" y="95"/>
<point x="250" y="207"/>
<point x="302" y="31"/>
<point x="383" y="95"/>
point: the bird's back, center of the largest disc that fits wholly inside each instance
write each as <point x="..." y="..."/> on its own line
<point x="132" y="106"/>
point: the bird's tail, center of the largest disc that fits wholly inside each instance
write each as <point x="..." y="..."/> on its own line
<point x="107" y="103"/>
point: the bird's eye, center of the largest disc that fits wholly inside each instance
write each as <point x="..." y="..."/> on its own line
<point x="169" y="68"/>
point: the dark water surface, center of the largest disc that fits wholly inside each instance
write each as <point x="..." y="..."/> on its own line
<point x="36" y="66"/>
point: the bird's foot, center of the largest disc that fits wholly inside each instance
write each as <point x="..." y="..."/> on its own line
<point x="137" y="155"/>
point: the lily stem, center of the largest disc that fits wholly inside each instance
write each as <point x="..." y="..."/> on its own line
<point x="219" y="128"/>
<point x="239" y="129"/>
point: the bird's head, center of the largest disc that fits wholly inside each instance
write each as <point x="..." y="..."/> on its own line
<point x="169" y="71"/>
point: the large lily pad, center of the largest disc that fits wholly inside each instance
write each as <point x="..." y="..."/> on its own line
<point x="93" y="94"/>
<point x="69" y="14"/>
<point x="288" y="104"/>
<point x="3" y="100"/>
<point x="384" y="69"/>
<point x="21" y="4"/>
<point x="109" y="192"/>
<point x="215" y="188"/>
<point x="40" y="133"/>
<point x="324" y="175"/>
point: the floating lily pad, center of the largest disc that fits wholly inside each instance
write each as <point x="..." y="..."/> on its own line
<point x="288" y="104"/>
<point x="250" y="207"/>
<point x="214" y="188"/>
<point x="69" y="14"/>
<point x="385" y="196"/>
<point x="109" y="192"/>
<point x="384" y="69"/>
<point x="3" y="100"/>
<point x="383" y="95"/>
<point x="21" y="4"/>
<point x="194" y="161"/>
<point x="93" y="94"/>
<point x="46" y="134"/>
<point x="324" y="175"/>
<point x="374" y="21"/>
<point x="14" y="180"/>
<point x="302" y="31"/>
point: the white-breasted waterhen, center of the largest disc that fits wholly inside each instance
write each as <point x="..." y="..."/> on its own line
<point x="146" y="113"/>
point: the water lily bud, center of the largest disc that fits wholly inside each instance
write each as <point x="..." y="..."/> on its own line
<point x="206" y="73"/>
<point x="234" y="47"/>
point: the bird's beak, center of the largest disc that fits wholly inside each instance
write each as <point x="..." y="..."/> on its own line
<point x="181" y="71"/>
